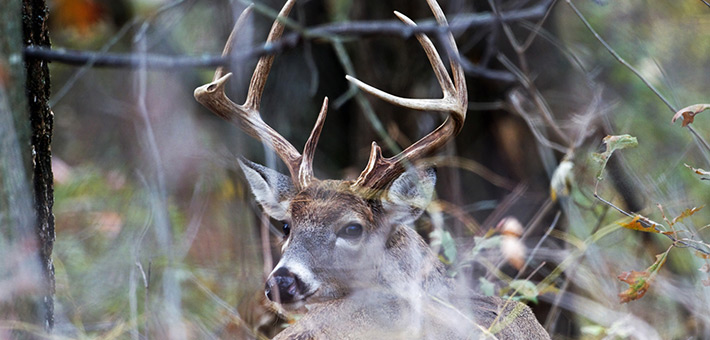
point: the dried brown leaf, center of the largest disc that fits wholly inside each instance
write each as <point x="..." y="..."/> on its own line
<point x="639" y="282"/>
<point x="686" y="213"/>
<point x="699" y="171"/>
<point x="688" y="113"/>
<point x="638" y="285"/>
<point x="636" y="224"/>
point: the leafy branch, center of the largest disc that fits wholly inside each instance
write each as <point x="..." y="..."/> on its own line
<point x="639" y="281"/>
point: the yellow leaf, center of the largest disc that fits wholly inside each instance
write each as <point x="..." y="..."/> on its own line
<point x="686" y="213"/>
<point x="642" y="224"/>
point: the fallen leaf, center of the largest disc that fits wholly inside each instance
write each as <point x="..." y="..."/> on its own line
<point x="705" y="268"/>
<point x="688" y="113"/>
<point x="637" y="224"/>
<point x="702" y="255"/>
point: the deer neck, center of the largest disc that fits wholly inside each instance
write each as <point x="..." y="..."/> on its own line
<point x="410" y="265"/>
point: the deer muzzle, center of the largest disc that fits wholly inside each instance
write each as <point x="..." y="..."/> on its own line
<point x="284" y="287"/>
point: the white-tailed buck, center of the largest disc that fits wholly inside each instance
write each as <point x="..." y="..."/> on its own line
<point x="349" y="254"/>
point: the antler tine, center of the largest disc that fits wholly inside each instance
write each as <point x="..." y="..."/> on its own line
<point x="247" y="116"/>
<point x="219" y="72"/>
<point x="380" y="171"/>
<point x="305" y="172"/>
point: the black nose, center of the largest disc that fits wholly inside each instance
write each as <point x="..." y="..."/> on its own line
<point x="283" y="286"/>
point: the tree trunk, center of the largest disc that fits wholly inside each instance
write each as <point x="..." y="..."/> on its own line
<point x="26" y="225"/>
<point x="35" y="32"/>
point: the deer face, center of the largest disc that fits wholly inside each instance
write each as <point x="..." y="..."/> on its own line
<point x="335" y="241"/>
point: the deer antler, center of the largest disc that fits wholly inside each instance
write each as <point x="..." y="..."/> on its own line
<point x="381" y="171"/>
<point x="247" y="116"/>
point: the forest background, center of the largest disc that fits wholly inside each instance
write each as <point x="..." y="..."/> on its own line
<point x="157" y="235"/>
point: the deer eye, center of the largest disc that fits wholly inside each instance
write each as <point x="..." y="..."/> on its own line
<point x="350" y="231"/>
<point x="286" y="229"/>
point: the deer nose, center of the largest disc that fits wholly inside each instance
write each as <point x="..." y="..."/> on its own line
<point x="283" y="286"/>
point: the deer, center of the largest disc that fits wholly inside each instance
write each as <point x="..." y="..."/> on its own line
<point x="350" y="257"/>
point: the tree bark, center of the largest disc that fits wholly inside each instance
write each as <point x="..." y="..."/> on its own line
<point x="26" y="224"/>
<point x="35" y="32"/>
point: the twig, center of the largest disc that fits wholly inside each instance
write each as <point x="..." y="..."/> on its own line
<point x="349" y="29"/>
<point x="265" y="245"/>
<point x="146" y="296"/>
<point x="531" y="256"/>
<point x="647" y="223"/>
<point x="705" y="145"/>
<point x="705" y="2"/>
<point x="617" y="56"/>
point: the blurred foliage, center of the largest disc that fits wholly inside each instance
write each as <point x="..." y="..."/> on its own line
<point x="145" y="176"/>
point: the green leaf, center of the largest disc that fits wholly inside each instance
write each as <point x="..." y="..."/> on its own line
<point x="442" y="238"/>
<point x="524" y="290"/>
<point x="483" y="243"/>
<point x="487" y="287"/>
<point x="613" y="143"/>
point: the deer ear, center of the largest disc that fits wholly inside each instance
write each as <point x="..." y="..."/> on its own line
<point x="409" y="195"/>
<point x="272" y="189"/>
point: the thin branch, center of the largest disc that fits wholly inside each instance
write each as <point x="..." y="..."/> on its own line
<point x="705" y="146"/>
<point x="705" y="2"/>
<point x="617" y="56"/>
<point x="647" y="223"/>
<point x="328" y="31"/>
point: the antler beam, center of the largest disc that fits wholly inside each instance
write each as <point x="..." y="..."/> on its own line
<point x="381" y="171"/>
<point x="248" y="117"/>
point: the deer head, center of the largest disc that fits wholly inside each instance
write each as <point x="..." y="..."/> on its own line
<point x="342" y="236"/>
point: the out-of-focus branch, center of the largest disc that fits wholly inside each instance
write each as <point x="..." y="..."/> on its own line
<point x="704" y="145"/>
<point x="458" y="23"/>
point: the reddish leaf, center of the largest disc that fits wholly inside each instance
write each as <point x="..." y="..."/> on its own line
<point x="639" y="282"/>
<point x="80" y="15"/>
<point x="638" y="285"/>
<point x="688" y="113"/>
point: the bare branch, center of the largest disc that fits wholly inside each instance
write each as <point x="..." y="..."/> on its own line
<point x="328" y="31"/>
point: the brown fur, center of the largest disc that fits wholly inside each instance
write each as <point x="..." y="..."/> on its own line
<point x="409" y="296"/>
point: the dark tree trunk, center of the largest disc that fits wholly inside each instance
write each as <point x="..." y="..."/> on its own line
<point x="35" y="32"/>
<point x="26" y="225"/>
